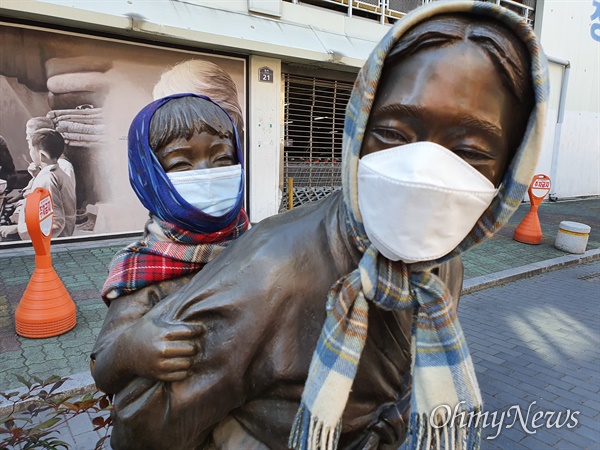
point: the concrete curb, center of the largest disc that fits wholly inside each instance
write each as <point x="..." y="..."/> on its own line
<point x="530" y="270"/>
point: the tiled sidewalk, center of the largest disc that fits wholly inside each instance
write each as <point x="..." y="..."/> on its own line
<point x="83" y="272"/>
<point x="502" y="252"/>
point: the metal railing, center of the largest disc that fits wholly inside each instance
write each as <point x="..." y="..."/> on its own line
<point x="388" y="11"/>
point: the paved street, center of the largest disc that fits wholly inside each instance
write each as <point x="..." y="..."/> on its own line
<point x="539" y="340"/>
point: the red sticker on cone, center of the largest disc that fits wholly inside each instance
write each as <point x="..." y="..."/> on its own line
<point x="46" y="212"/>
<point x="539" y="188"/>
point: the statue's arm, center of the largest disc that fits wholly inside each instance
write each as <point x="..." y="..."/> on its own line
<point x="110" y="361"/>
<point x="116" y="354"/>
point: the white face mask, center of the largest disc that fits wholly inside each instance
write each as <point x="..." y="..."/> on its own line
<point x="213" y="191"/>
<point x="419" y="201"/>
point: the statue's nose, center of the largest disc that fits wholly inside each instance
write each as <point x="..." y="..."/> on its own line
<point x="202" y="164"/>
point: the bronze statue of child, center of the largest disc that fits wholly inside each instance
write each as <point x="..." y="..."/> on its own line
<point x="334" y="325"/>
<point x="185" y="165"/>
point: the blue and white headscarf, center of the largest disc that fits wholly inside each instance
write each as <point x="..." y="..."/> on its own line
<point x="442" y="370"/>
<point x="153" y="187"/>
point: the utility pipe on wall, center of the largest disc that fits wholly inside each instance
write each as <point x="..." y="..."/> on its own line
<point x="559" y="120"/>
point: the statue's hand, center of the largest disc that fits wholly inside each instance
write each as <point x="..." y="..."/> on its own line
<point x="162" y="352"/>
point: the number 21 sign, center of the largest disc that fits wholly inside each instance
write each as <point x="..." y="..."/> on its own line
<point x="265" y="75"/>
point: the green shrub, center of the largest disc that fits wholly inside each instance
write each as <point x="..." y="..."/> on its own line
<point x="39" y="410"/>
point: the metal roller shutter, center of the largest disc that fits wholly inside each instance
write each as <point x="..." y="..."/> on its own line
<point x="314" y="111"/>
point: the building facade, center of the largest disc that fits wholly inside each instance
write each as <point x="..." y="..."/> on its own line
<point x="90" y="66"/>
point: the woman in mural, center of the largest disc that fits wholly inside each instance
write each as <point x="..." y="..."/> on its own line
<point x="205" y="78"/>
<point x="187" y="171"/>
<point x="307" y="321"/>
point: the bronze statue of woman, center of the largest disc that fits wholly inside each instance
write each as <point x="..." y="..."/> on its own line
<point x="334" y="325"/>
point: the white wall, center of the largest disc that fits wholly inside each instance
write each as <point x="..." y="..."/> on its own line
<point x="545" y="163"/>
<point x="566" y="34"/>
<point x="265" y="136"/>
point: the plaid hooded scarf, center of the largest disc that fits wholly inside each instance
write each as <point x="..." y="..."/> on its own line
<point x="442" y="370"/>
<point x="178" y="239"/>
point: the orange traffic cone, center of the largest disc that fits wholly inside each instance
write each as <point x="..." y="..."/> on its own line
<point x="529" y="230"/>
<point x="46" y="308"/>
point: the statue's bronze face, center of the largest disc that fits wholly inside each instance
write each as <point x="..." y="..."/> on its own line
<point x="202" y="151"/>
<point x="452" y="96"/>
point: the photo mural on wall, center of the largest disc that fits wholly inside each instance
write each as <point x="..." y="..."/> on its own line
<point x="87" y="90"/>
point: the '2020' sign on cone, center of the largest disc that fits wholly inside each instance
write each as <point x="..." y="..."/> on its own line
<point x="46" y="308"/>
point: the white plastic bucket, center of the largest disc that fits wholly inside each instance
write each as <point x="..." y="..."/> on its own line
<point x="572" y="237"/>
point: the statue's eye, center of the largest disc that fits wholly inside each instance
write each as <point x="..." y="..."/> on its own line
<point x="390" y="136"/>
<point x="224" y="160"/>
<point x="472" y="154"/>
<point x="178" y="166"/>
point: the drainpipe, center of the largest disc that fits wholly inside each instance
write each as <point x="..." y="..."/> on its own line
<point x="559" y="120"/>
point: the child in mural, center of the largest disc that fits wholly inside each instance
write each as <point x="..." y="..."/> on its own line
<point x="34" y="124"/>
<point x="185" y="165"/>
<point x="73" y="169"/>
<point x="37" y="123"/>
<point x="47" y="146"/>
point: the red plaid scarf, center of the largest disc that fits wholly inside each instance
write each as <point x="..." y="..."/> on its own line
<point x="164" y="253"/>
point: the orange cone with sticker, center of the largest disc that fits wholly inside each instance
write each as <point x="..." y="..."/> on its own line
<point x="529" y="230"/>
<point x="46" y="308"/>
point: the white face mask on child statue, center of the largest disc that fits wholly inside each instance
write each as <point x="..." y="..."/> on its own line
<point x="419" y="201"/>
<point x="213" y="191"/>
